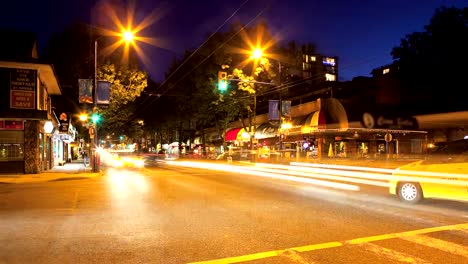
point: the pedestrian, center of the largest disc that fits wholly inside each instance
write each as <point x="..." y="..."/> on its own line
<point x="85" y="158"/>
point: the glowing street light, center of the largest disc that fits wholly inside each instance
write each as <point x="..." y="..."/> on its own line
<point x="128" y="36"/>
<point x="83" y="117"/>
<point x="257" y="53"/>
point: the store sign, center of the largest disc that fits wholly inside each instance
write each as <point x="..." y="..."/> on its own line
<point x="23" y="84"/>
<point x="389" y="122"/>
<point x="64" y="123"/>
<point x="11" y="125"/>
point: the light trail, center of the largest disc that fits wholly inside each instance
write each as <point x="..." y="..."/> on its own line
<point x="380" y="170"/>
<point x="265" y="173"/>
<point x="351" y="174"/>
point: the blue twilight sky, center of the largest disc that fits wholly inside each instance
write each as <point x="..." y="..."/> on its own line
<point x="361" y="33"/>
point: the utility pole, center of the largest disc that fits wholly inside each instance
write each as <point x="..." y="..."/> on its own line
<point x="95" y="139"/>
<point x="280" y="112"/>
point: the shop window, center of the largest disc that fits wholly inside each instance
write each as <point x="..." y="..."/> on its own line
<point x="381" y="148"/>
<point x="11" y="151"/>
<point x="363" y="149"/>
<point x="417" y="146"/>
<point x="341" y="149"/>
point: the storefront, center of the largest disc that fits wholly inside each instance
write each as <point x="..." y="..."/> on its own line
<point x="12" y="146"/>
<point x="25" y="108"/>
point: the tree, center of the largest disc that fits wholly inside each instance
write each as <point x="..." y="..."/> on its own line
<point x="127" y="83"/>
<point x="72" y="54"/>
<point x="432" y="63"/>
<point x="190" y="93"/>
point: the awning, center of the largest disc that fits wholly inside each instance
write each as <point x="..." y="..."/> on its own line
<point x="297" y="123"/>
<point x="231" y="135"/>
<point x="243" y="135"/>
<point x="314" y="122"/>
<point x="266" y="130"/>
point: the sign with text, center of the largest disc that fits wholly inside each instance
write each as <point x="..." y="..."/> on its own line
<point x="23" y="84"/>
<point x="389" y="121"/>
<point x="64" y="123"/>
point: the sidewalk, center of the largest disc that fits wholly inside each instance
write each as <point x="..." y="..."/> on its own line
<point x="69" y="171"/>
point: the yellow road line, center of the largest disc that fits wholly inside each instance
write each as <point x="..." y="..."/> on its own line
<point x="275" y="253"/>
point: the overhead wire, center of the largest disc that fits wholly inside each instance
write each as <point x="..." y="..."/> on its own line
<point x="192" y="54"/>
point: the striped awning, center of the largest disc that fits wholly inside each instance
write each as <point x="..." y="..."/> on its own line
<point x="231" y="135"/>
<point x="314" y="122"/>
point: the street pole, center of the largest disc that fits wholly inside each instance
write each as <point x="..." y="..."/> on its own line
<point x="280" y="112"/>
<point x="253" y="128"/>
<point x="95" y="139"/>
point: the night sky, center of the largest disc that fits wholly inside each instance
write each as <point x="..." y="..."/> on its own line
<point x="361" y="33"/>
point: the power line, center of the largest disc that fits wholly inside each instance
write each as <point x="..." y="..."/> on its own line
<point x="199" y="47"/>
<point x="200" y="63"/>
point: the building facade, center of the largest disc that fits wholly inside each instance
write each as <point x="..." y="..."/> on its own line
<point x="27" y="122"/>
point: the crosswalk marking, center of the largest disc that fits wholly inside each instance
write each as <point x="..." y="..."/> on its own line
<point x="446" y="246"/>
<point x="393" y="255"/>
<point x="356" y="241"/>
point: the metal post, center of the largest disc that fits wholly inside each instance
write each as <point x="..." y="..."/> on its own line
<point x="253" y="128"/>
<point x="280" y="112"/>
<point x="95" y="139"/>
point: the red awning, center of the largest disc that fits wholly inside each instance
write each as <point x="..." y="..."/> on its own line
<point x="231" y="135"/>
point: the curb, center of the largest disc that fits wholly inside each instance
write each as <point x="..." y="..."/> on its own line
<point x="47" y="177"/>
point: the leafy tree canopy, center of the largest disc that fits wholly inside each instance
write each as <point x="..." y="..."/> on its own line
<point x="432" y="63"/>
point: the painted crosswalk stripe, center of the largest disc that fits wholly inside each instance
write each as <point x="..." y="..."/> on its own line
<point x="335" y="244"/>
<point x="446" y="246"/>
<point x="392" y="254"/>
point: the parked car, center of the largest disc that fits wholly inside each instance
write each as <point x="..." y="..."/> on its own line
<point x="443" y="175"/>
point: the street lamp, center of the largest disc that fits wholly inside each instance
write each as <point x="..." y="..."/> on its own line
<point x="257" y="54"/>
<point x="127" y="36"/>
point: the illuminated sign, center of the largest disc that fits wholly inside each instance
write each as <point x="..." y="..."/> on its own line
<point x="23" y="84"/>
<point x="11" y="124"/>
<point x="329" y="61"/>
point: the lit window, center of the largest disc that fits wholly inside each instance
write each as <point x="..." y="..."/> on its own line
<point x="307" y="58"/>
<point x="385" y="71"/>
<point x="330" y="77"/>
<point x="329" y="61"/>
<point x="303" y="66"/>
<point x="312" y="58"/>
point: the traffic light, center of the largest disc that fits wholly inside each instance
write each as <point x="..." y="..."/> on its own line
<point x="282" y="136"/>
<point x="222" y="81"/>
<point x="95" y="117"/>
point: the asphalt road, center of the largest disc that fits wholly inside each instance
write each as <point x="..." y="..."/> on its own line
<point x="170" y="214"/>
